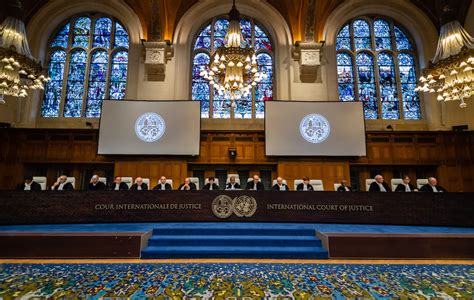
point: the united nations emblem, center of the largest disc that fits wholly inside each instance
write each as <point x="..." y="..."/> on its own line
<point x="222" y="206"/>
<point x="245" y="206"/>
<point x="150" y="127"/>
<point x="315" y="128"/>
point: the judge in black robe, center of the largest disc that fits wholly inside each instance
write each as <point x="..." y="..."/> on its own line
<point x="375" y="186"/>
<point x="139" y="185"/>
<point x="163" y="185"/>
<point x="122" y="186"/>
<point x="432" y="186"/>
<point x="28" y="185"/>
<point x="211" y="183"/>
<point x="301" y="187"/>
<point x="187" y="185"/>
<point x="255" y="184"/>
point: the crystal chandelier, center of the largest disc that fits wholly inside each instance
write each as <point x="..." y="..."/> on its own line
<point x="450" y="75"/>
<point x="233" y="69"/>
<point x="19" y="71"/>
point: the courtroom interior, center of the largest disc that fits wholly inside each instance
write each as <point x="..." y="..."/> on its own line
<point x="236" y="149"/>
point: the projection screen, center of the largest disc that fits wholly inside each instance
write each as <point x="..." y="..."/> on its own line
<point x="314" y="129"/>
<point x="150" y="127"/>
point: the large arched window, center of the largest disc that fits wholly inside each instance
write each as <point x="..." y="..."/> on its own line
<point x="210" y="38"/>
<point x="88" y="63"/>
<point x="376" y="64"/>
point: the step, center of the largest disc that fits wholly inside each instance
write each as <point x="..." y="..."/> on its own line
<point x="233" y="231"/>
<point x="233" y="240"/>
<point x="157" y="252"/>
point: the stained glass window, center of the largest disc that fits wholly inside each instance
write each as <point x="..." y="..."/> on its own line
<point x="214" y="105"/>
<point x="95" y="52"/>
<point x="369" y="51"/>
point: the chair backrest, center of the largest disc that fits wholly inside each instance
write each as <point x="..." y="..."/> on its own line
<point x="72" y="180"/>
<point x="216" y="181"/>
<point x="41" y="180"/>
<point x="421" y="182"/>
<point x="103" y="180"/>
<point x="296" y="183"/>
<point x="395" y="182"/>
<point x="368" y="182"/>
<point x="128" y="181"/>
<point x="237" y="178"/>
<point x="195" y="180"/>
<point x="317" y="184"/>
<point x="147" y="181"/>
<point x="336" y="186"/>
<point x="251" y="179"/>
<point x="275" y="182"/>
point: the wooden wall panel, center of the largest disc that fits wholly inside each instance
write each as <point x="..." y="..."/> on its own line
<point x="328" y="172"/>
<point x="172" y="169"/>
<point x="450" y="154"/>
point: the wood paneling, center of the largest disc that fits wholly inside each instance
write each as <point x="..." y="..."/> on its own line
<point x="450" y="154"/>
<point x="328" y="172"/>
<point x="172" y="169"/>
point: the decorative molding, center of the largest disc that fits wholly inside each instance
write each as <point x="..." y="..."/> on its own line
<point x="157" y="54"/>
<point x="308" y="54"/>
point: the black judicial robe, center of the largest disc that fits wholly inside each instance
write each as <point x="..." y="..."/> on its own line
<point x="35" y="186"/>
<point x="122" y="187"/>
<point x="192" y="187"/>
<point x="134" y="187"/>
<point x="429" y="189"/>
<point x="99" y="186"/>
<point x="374" y="187"/>
<point x="277" y="188"/>
<point x="300" y="187"/>
<point x="66" y="187"/>
<point x="167" y="187"/>
<point x="401" y="187"/>
<point x="251" y="184"/>
<point x="215" y="187"/>
<point x="343" y="189"/>
<point x="229" y="186"/>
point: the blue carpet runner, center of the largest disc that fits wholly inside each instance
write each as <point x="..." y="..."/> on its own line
<point x="234" y="243"/>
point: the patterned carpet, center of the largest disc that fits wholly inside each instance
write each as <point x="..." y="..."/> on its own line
<point x="236" y="281"/>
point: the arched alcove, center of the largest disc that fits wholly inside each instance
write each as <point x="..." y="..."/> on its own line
<point x="420" y="28"/>
<point x="40" y="33"/>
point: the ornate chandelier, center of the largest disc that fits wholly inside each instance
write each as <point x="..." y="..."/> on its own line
<point x="233" y="69"/>
<point x="19" y="71"/>
<point x="450" y="75"/>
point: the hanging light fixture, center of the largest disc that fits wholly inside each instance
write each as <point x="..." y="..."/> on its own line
<point x="233" y="69"/>
<point x="450" y="74"/>
<point x="19" y="71"/>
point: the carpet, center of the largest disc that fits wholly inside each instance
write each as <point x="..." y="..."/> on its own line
<point x="236" y="281"/>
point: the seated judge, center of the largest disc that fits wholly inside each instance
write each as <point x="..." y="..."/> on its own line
<point x="118" y="185"/>
<point x="187" y="185"/>
<point x="432" y="186"/>
<point x="280" y="186"/>
<point x="95" y="184"/>
<point x="62" y="185"/>
<point x="344" y="187"/>
<point x="139" y="185"/>
<point x="163" y="185"/>
<point x="28" y="185"/>
<point x="255" y="184"/>
<point x="211" y="185"/>
<point x="406" y="186"/>
<point x="232" y="185"/>
<point x="304" y="186"/>
<point x="379" y="185"/>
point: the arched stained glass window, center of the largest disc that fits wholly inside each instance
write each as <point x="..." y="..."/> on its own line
<point x="215" y="106"/>
<point x="88" y="63"/>
<point x="376" y="64"/>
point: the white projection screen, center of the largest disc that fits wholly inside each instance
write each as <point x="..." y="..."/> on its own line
<point x="150" y="128"/>
<point x="314" y="129"/>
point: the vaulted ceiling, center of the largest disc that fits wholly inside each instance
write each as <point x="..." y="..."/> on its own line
<point x="305" y="17"/>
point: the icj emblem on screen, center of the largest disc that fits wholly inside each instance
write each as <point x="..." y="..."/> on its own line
<point x="315" y="128"/>
<point x="150" y="127"/>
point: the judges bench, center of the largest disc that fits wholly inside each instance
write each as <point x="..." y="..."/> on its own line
<point x="63" y="207"/>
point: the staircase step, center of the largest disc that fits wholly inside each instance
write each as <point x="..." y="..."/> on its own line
<point x="156" y="252"/>
<point x="234" y="231"/>
<point x="233" y="240"/>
